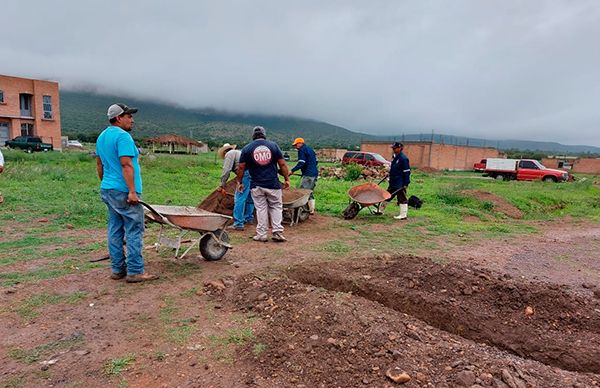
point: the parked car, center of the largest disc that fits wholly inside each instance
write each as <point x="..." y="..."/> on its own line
<point x="480" y="166"/>
<point x="74" y="144"/>
<point x="364" y="158"/>
<point x="29" y="144"/>
<point x="523" y="170"/>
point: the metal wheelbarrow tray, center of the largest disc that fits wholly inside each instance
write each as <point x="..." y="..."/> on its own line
<point x="213" y="241"/>
<point x="365" y="195"/>
<point x="295" y="205"/>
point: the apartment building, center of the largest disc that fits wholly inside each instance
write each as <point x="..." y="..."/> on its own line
<point x="29" y="107"/>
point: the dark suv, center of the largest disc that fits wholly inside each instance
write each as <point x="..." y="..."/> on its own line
<point x="364" y="158"/>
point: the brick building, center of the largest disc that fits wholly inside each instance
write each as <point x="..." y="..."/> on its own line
<point x="580" y="165"/>
<point x="435" y="155"/>
<point x="29" y="107"/>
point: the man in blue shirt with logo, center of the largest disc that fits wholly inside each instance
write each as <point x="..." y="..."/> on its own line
<point x="261" y="158"/>
<point x="307" y="164"/>
<point x="120" y="189"/>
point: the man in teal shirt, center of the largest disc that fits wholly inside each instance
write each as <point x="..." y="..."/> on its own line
<point x="121" y="189"/>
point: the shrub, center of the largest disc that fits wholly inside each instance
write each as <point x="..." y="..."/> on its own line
<point x="353" y="172"/>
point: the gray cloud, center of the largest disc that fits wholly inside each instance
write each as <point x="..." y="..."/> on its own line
<point x="499" y="70"/>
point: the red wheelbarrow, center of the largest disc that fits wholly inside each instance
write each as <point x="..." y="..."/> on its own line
<point x="367" y="195"/>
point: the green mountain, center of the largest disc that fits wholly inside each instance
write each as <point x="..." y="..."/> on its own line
<point x="83" y="116"/>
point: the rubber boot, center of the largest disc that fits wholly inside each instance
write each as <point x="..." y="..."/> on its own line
<point x="382" y="206"/>
<point x="403" y="212"/>
<point x="311" y="206"/>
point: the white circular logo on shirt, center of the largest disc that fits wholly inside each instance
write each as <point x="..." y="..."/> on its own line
<point x="262" y="155"/>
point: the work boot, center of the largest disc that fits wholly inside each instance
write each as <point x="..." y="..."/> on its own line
<point x="403" y="212"/>
<point x="382" y="206"/>
<point x="118" y="275"/>
<point x="311" y="206"/>
<point x="260" y="238"/>
<point x="142" y="277"/>
<point x="235" y="227"/>
<point x="278" y="237"/>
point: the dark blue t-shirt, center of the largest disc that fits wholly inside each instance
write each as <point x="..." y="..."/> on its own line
<point x="261" y="158"/>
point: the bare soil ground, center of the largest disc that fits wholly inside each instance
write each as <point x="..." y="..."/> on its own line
<point x="516" y="312"/>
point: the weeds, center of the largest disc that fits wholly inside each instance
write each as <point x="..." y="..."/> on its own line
<point x="29" y="356"/>
<point x="28" y="308"/>
<point x="116" y="366"/>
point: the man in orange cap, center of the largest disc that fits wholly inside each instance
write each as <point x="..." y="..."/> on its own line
<point x="308" y="165"/>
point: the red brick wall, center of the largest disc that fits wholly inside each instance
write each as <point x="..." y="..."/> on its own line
<point x="48" y="130"/>
<point x="550" y="162"/>
<point x="587" y="165"/>
<point x="438" y="156"/>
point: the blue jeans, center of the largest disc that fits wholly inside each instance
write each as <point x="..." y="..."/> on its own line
<point x="124" y="220"/>
<point x="243" y="208"/>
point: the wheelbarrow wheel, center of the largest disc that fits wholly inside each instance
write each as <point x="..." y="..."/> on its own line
<point x="351" y="211"/>
<point x="210" y="248"/>
<point x="303" y="213"/>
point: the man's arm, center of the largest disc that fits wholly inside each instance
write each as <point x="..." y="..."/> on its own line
<point x="240" y="176"/>
<point x="283" y="168"/>
<point x="127" y="168"/>
<point x="99" y="168"/>
<point x="301" y="160"/>
<point x="227" y="166"/>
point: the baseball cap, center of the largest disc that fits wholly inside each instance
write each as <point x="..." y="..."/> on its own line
<point x="397" y="145"/>
<point x="119" y="109"/>
<point x="298" y="140"/>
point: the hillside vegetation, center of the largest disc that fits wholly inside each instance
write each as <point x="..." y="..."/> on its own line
<point x="84" y="116"/>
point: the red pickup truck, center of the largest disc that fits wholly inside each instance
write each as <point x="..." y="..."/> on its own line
<point x="480" y="166"/>
<point x="522" y="170"/>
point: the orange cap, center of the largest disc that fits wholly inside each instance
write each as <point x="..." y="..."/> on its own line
<point x="298" y="140"/>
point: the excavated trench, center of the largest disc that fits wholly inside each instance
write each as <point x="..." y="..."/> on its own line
<point x="538" y="321"/>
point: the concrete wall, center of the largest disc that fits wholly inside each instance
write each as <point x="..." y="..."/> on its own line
<point x="10" y="110"/>
<point x="434" y="155"/>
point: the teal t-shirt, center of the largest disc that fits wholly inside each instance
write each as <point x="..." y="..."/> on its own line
<point x="113" y="143"/>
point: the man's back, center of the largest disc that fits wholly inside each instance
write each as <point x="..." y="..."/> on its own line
<point x="261" y="157"/>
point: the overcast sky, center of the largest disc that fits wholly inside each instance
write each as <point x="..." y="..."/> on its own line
<point x="505" y="69"/>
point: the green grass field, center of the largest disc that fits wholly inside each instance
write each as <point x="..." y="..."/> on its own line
<point x="63" y="189"/>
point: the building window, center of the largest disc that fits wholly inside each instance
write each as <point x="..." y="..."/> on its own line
<point x="1" y="96"/>
<point x="25" y="102"/>
<point x="26" y="129"/>
<point x="47" y="107"/>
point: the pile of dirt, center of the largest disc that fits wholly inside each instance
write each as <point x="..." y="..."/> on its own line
<point x="361" y="322"/>
<point x="500" y="204"/>
<point x="218" y="202"/>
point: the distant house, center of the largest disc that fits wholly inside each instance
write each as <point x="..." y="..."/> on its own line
<point x="29" y="107"/>
<point x="175" y="144"/>
<point x="428" y="154"/>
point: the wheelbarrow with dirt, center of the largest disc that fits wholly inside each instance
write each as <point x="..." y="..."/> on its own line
<point x="295" y="205"/>
<point x="213" y="241"/>
<point x="367" y="195"/>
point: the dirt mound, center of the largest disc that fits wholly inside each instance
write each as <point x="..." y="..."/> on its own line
<point x="500" y="204"/>
<point x="218" y="202"/>
<point x="442" y="325"/>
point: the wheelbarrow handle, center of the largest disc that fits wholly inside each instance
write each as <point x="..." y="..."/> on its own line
<point x="157" y="214"/>
<point x="384" y="178"/>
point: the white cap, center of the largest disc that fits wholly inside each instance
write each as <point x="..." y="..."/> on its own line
<point x="116" y="110"/>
